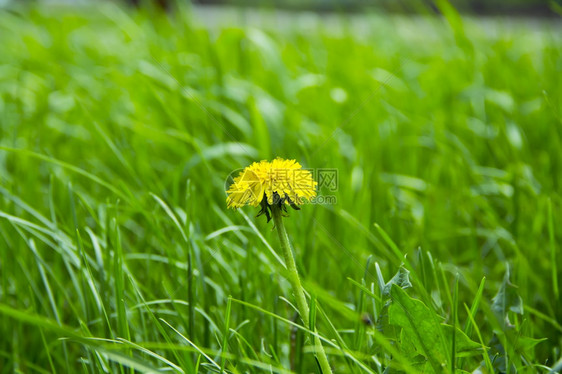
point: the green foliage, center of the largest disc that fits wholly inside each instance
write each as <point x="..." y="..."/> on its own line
<point x="119" y="127"/>
<point x="423" y="331"/>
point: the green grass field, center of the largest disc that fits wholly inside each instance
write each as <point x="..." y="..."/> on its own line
<point x="118" y="129"/>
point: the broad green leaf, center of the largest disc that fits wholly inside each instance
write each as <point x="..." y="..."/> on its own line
<point x="422" y="326"/>
<point x="423" y="333"/>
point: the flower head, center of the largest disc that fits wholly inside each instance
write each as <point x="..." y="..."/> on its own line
<point x="279" y="182"/>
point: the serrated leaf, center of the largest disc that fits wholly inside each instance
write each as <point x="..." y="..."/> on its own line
<point x="423" y="332"/>
<point x="401" y="279"/>
<point x="507" y="299"/>
<point x="463" y="345"/>
<point x="422" y="326"/>
<point x="525" y="343"/>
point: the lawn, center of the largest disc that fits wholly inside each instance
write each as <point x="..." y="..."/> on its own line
<point x="437" y="142"/>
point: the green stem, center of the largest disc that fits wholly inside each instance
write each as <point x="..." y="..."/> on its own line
<point x="293" y="276"/>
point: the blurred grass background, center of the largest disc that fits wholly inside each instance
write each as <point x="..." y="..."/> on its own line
<point x="119" y="127"/>
<point x="480" y="7"/>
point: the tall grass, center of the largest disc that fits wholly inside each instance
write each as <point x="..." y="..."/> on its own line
<point x="119" y="127"/>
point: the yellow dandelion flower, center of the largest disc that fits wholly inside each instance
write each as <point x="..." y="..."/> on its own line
<point x="279" y="182"/>
<point x="274" y="185"/>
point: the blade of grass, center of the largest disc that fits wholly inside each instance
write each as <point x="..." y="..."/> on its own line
<point x="225" y="334"/>
<point x="553" y="263"/>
